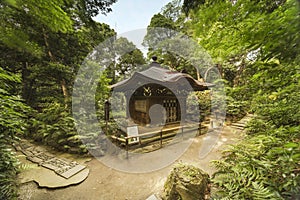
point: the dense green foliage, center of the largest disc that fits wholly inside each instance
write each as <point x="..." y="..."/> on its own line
<point x="13" y="121"/>
<point x="47" y="51"/>
<point x="256" y="47"/>
<point x="125" y="59"/>
<point x="266" y="162"/>
<point x="163" y="34"/>
<point x="42" y="45"/>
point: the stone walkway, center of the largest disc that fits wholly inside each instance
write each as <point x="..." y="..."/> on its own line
<point x="48" y="169"/>
<point x="240" y="125"/>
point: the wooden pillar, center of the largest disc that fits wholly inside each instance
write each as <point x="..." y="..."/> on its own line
<point x="182" y="103"/>
<point x="127" y="97"/>
<point x="126" y="143"/>
<point x="160" y="138"/>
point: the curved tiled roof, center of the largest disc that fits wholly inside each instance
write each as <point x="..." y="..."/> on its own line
<point x="163" y="76"/>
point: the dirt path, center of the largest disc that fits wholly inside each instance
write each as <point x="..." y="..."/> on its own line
<point x="108" y="184"/>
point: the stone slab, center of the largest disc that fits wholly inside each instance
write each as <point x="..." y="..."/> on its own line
<point x="72" y="171"/>
<point x="43" y="166"/>
<point x="37" y="154"/>
<point x="50" y="166"/>
<point x="34" y="159"/>
<point x="24" y="145"/>
<point x="43" y="156"/>
<point x="56" y="181"/>
<point x="26" y="152"/>
<point x="48" y="178"/>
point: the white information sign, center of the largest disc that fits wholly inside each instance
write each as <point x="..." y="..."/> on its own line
<point x="133" y="131"/>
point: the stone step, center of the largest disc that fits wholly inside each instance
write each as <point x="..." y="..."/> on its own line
<point x="238" y="127"/>
<point x="244" y="120"/>
<point x="238" y="124"/>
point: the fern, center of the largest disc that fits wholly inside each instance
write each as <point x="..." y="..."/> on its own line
<point x="254" y="169"/>
<point x="260" y="192"/>
<point x="12" y="121"/>
<point x="26" y="166"/>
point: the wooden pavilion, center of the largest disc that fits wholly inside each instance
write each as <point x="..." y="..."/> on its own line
<point x="158" y="95"/>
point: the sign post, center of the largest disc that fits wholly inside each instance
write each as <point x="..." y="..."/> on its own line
<point x="106" y="114"/>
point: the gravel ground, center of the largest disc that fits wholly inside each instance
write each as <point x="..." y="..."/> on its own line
<point x="104" y="183"/>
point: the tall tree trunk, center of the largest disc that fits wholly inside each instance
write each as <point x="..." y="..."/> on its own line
<point x="65" y="92"/>
<point x="27" y="85"/>
<point x="62" y="81"/>
<point x="237" y="79"/>
<point x="24" y="81"/>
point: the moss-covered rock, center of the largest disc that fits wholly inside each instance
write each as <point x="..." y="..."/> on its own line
<point x="186" y="182"/>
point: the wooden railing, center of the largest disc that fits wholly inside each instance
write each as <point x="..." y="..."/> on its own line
<point x="156" y="135"/>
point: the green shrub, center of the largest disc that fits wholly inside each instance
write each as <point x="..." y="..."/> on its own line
<point x="8" y="170"/>
<point x="264" y="165"/>
<point x="12" y="122"/>
<point x="201" y="102"/>
<point x="257" y="125"/>
<point x="55" y="127"/>
<point x="235" y="110"/>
